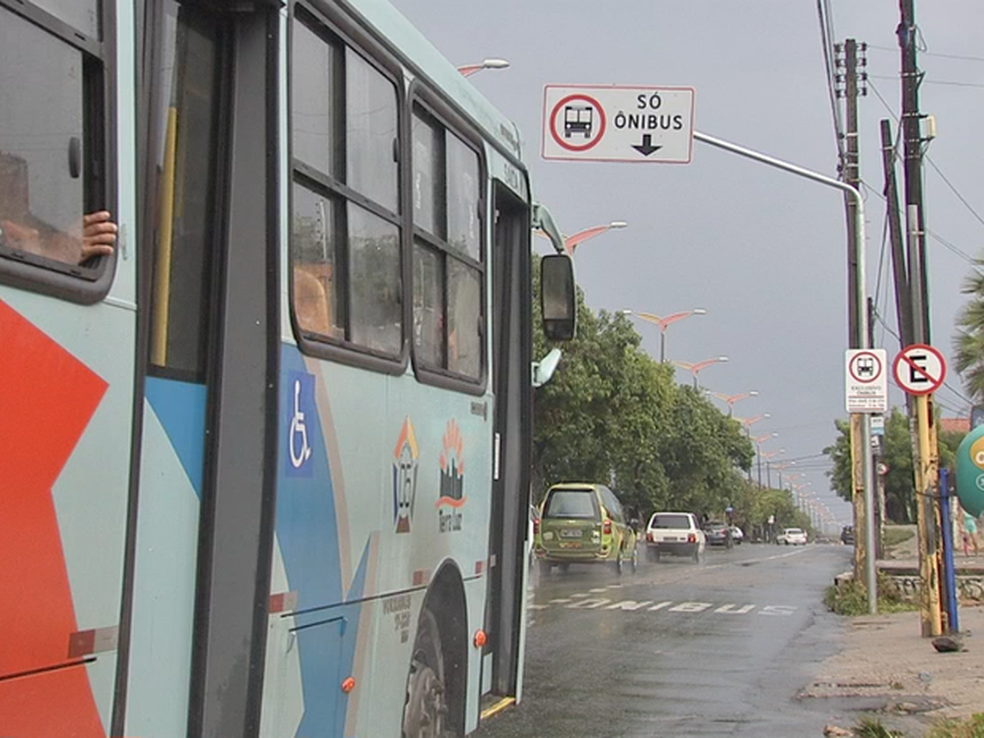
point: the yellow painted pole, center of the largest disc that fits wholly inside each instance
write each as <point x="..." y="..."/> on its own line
<point x="857" y="497"/>
<point x="165" y="236"/>
<point x="929" y="597"/>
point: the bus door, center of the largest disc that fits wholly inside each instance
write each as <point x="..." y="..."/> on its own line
<point x="209" y="290"/>
<point x="511" y="340"/>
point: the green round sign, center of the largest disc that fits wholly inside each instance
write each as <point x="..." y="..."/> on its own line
<point x="970" y="472"/>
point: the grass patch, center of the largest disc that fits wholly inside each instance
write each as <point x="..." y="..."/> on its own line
<point x="895" y="536"/>
<point x="868" y="727"/>
<point x="973" y="727"/>
<point x="852" y="598"/>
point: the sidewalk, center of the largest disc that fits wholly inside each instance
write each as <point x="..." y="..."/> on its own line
<point x="886" y="666"/>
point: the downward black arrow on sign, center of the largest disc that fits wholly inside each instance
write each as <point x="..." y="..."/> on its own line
<point x="646" y="147"/>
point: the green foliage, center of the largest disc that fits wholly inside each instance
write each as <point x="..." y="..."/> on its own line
<point x="973" y="727"/>
<point x="868" y="727"/>
<point x="895" y="536"/>
<point x="851" y="598"/>
<point x="968" y="343"/>
<point x="612" y="414"/>
<point x="897" y="454"/>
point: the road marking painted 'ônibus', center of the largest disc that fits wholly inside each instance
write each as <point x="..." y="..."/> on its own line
<point x="584" y="601"/>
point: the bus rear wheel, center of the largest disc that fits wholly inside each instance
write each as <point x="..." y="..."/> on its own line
<point x="426" y="709"/>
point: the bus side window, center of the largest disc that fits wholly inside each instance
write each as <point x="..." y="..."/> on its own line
<point x="44" y="171"/>
<point x="346" y="272"/>
<point x="448" y="269"/>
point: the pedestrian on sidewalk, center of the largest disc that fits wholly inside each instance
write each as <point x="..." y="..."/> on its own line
<point x="969" y="533"/>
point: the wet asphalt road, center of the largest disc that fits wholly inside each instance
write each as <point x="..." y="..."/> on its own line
<point x="679" y="649"/>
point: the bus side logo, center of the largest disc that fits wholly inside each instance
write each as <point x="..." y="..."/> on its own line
<point x="405" y="457"/>
<point x="452" y="479"/>
<point x="301" y="404"/>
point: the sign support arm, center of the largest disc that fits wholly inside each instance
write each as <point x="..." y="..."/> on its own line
<point x="855" y="195"/>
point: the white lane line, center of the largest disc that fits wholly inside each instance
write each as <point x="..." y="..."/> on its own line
<point x="561" y="601"/>
<point x="598" y="590"/>
<point x="580" y="594"/>
<point x="538" y="607"/>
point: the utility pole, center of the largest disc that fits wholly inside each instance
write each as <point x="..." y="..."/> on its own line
<point x="903" y="305"/>
<point x="850" y="172"/>
<point x="925" y="464"/>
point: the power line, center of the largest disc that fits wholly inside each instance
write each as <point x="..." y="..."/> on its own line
<point x="946" y="82"/>
<point x="826" y="41"/>
<point x="961" y="57"/>
<point x="929" y="159"/>
<point x="955" y="191"/>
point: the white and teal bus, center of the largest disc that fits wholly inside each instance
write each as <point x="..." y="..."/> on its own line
<point x="264" y="465"/>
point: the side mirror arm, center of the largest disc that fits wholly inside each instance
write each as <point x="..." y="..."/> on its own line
<point x="544" y="369"/>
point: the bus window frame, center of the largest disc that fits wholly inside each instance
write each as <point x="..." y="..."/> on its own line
<point x="83" y="285"/>
<point x="421" y="95"/>
<point x="322" y="21"/>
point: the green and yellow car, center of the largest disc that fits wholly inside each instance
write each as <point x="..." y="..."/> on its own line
<point x="583" y="523"/>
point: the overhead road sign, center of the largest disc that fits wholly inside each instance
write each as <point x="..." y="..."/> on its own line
<point x="920" y="369"/>
<point x="866" y="380"/>
<point x="618" y="123"/>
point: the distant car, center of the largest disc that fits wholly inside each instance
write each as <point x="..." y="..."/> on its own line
<point x="847" y="535"/>
<point x="675" y="533"/>
<point x="792" y="537"/>
<point x="584" y="523"/>
<point x="718" y="534"/>
<point x="737" y="534"/>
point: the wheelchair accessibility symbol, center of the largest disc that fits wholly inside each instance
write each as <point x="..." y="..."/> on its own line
<point x="301" y="398"/>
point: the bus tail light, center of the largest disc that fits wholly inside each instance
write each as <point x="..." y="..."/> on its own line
<point x="536" y="527"/>
<point x="608" y="528"/>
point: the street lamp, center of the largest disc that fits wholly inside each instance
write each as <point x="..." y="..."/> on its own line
<point x="694" y="369"/>
<point x="758" y="453"/>
<point x="768" y="468"/>
<point x="664" y="323"/>
<point x="732" y="399"/>
<point x="467" y="70"/>
<point x="571" y="242"/>
<point x="749" y="422"/>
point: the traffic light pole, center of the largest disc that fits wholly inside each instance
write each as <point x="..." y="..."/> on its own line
<point x="859" y="284"/>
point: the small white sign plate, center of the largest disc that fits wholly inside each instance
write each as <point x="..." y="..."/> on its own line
<point x="866" y="380"/>
<point x="618" y="123"/>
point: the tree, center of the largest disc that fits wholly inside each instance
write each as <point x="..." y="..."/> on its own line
<point x="968" y="343"/>
<point x="612" y="414"/>
<point x="897" y="455"/>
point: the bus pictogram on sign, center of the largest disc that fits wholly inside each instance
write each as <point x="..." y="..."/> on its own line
<point x="577" y="115"/>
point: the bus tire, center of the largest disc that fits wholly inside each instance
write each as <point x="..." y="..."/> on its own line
<point x="425" y="708"/>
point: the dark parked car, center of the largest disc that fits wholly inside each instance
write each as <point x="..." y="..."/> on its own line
<point x="718" y="534"/>
<point x="847" y="535"/>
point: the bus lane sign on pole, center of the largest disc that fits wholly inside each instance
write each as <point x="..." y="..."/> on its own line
<point x="618" y="123"/>
<point x="920" y="369"/>
<point x="866" y="380"/>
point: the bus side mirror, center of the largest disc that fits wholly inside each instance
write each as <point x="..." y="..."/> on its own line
<point x="558" y="297"/>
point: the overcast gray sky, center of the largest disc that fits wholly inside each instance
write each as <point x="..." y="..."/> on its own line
<point x="762" y="251"/>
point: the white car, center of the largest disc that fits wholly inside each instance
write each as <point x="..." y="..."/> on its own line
<point x="674" y="533"/>
<point x="737" y="535"/>
<point x="793" y="537"/>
